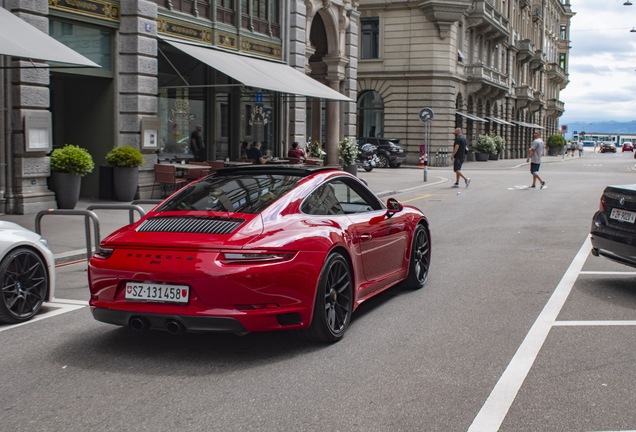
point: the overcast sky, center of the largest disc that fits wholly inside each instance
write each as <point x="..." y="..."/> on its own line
<point x="602" y="62"/>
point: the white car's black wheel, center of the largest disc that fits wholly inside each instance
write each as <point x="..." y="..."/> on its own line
<point x="420" y="259"/>
<point x="24" y="283"/>
<point x="334" y="299"/>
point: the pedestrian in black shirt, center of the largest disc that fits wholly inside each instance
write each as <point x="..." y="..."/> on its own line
<point x="459" y="156"/>
<point x="196" y="145"/>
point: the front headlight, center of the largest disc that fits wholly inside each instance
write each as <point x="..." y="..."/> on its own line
<point x="44" y="242"/>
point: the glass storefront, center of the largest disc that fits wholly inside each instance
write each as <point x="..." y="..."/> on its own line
<point x="191" y="94"/>
<point x="370" y="115"/>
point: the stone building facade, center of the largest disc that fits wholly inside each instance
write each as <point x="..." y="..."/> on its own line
<point x="145" y="75"/>
<point x="484" y="65"/>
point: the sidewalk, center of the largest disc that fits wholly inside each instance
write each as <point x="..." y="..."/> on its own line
<point x="66" y="234"/>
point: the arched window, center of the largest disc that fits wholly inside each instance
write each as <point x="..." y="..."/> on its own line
<point x="370" y="114"/>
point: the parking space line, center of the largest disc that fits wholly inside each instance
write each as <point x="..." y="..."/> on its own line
<point x="61" y="309"/>
<point x="607" y="273"/>
<point x="495" y="409"/>
<point x="594" y="323"/>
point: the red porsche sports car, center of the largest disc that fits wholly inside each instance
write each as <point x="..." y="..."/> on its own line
<point x="259" y="248"/>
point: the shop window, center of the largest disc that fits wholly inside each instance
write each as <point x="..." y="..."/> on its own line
<point x="370" y="38"/>
<point x="93" y="43"/>
<point x="370" y="115"/>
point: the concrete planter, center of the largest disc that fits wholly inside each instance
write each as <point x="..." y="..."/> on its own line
<point x="66" y="188"/>
<point x="125" y="180"/>
<point x="481" y="157"/>
<point x="351" y="169"/>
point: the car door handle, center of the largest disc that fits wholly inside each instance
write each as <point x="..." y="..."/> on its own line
<point x="366" y="237"/>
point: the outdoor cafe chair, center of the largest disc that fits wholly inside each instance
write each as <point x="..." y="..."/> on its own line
<point x="166" y="175"/>
<point x="196" y="174"/>
<point x="215" y="165"/>
<point x="245" y="160"/>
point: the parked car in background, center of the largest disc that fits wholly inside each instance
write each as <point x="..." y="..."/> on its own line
<point x="614" y="225"/>
<point x="390" y="153"/>
<point x="608" y="147"/>
<point x="27" y="273"/>
<point x="627" y="146"/>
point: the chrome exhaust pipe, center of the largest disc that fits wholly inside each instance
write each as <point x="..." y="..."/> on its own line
<point x="174" y="327"/>
<point x="139" y="323"/>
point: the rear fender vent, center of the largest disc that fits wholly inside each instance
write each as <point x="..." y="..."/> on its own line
<point x="195" y="225"/>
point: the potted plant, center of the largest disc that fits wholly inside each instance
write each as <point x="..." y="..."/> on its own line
<point x="555" y="145"/>
<point x="348" y="151"/>
<point x="315" y="150"/>
<point x="126" y="161"/>
<point x="484" y="147"/>
<point x="68" y="165"/>
<point x="500" y="144"/>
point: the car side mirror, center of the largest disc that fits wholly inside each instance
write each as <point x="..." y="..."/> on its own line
<point x="393" y="206"/>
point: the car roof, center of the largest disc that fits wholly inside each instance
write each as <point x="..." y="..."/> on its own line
<point x="290" y="170"/>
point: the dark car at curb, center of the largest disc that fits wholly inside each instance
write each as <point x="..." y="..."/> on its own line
<point x="613" y="228"/>
<point x="608" y="147"/>
<point x="390" y="153"/>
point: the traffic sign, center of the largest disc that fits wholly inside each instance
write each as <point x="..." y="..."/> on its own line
<point x="423" y="148"/>
<point x="426" y="115"/>
<point x="564" y="128"/>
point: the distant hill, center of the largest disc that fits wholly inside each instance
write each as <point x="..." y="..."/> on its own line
<point x="601" y="127"/>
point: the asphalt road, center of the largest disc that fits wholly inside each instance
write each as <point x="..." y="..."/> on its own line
<point x="476" y="349"/>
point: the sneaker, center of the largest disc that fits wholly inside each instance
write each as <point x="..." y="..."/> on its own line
<point x="455" y="185"/>
<point x="532" y="187"/>
<point x="543" y="186"/>
<point x="467" y="182"/>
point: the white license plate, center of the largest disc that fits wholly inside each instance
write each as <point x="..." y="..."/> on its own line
<point x="623" y="215"/>
<point x="157" y="292"/>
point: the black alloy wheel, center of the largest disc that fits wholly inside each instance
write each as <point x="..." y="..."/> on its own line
<point x="383" y="161"/>
<point x="24" y="281"/>
<point x="420" y="259"/>
<point x="334" y="299"/>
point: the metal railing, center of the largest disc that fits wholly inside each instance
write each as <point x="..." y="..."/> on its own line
<point x="441" y="157"/>
<point x="87" y="215"/>
<point x="130" y="207"/>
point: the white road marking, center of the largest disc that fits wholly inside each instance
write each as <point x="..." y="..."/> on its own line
<point x="594" y="323"/>
<point x="61" y="309"/>
<point x="494" y="411"/>
<point x="607" y="273"/>
<point x="70" y="301"/>
<point x="518" y="188"/>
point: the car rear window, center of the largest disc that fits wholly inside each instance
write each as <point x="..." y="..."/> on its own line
<point x="240" y="194"/>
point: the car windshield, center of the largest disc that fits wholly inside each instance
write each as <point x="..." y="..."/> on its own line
<point x="239" y="193"/>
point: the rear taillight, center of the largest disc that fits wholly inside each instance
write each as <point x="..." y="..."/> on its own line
<point x="254" y="257"/>
<point x="602" y="206"/>
<point x="104" y="252"/>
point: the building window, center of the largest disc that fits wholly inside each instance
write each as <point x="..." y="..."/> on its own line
<point x="564" y="32"/>
<point x="225" y="11"/>
<point x="248" y="124"/>
<point x="93" y="43"/>
<point x="370" y="38"/>
<point x="562" y="61"/>
<point x="370" y="114"/>
<point x="261" y="21"/>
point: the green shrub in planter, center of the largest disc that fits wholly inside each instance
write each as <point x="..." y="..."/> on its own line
<point x="348" y="151"/>
<point x="315" y="150"/>
<point x="500" y="143"/>
<point x="555" y="141"/>
<point x="72" y="159"/>
<point x="125" y="157"/>
<point x="485" y="144"/>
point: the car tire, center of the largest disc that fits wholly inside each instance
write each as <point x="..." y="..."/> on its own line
<point x="333" y="304"/>
<point x="383" y="161"/>
<point x="24" y="283"/>
<point x="420" y="259"/>
<point x="395" y="165"/>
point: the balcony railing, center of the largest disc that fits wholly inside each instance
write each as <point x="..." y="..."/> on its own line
<point x="524" y="92"/>
<point x="487" y="75"/>
<point x="538" y="60"/>
<point x="485" y="17"/>
<point x="556" y="73"/>
<point x="555" y="104"/>
<point x="526" y="50"/>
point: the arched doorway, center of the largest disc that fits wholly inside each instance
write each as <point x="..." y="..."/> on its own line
<point x="370" y="114"/>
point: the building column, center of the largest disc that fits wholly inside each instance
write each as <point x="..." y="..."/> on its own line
<point x="316" y="120"/>
<point x="297" y="60"/>
<point x="333" y="126"/>
<point x="137" y="81"/>
<point x="27" y="172"/>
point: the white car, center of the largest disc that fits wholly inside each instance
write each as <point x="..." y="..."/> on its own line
<point x="27" y="273"/>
